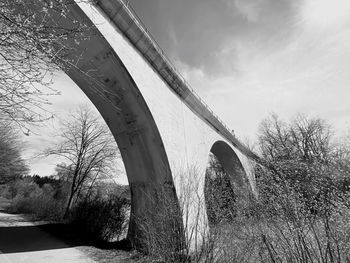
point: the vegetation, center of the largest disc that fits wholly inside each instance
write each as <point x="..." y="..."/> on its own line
<point x="80" y="192"/>
<point x="32" y="47"/>
<point x="28" y="197"/>
<point x="12" y="165"/>
<point x="89" y="147"/>
<point x="220" y="196"/>
<point x="103" y="219"/>
<point x="301" y="215"/>
<point x="302" y="212"/>
<point x="101" y="215"/>
<point x="305" y="157"/>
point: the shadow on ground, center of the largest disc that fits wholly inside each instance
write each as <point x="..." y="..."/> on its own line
<point x="41" y="237"/>
<point x="14" y="239"/>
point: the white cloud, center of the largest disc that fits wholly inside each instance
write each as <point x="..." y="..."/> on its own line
<point x="308" y="73"/>
<point x="320" y="14"/>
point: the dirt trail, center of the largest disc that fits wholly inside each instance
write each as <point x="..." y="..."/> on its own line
<point x="29" y="242"/>
<point x="26" y="241"/>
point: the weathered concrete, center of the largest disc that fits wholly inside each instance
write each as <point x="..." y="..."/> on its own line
<point x="164" y="131"/>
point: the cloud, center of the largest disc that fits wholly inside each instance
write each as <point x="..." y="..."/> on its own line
<point x="203" y="33"/>
<point x="304" y="69"/>
<point x="323" y="14"/>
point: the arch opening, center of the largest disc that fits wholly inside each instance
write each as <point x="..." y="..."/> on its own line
<point x="225" y="185"/>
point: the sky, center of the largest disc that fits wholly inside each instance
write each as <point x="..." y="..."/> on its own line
<point x="247" y="59"/>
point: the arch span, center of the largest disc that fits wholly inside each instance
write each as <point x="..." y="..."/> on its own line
<point x="160" y="125"/>
<point x="230" y="163"/>
<point x="99" y="72"/>
<point x="226" y="184"/>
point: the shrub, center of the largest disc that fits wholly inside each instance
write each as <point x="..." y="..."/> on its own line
<point x="279" y="226"/>
<point x="21" y="186"/>
<point x="31" y="199"/>
<point x="102" y="219"/>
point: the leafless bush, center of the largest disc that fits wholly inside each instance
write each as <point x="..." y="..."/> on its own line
<point x="103" y="219"/>
<point x="278" y="227"/>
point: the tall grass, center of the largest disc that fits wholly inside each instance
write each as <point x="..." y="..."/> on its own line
<point x="279" y="226"/>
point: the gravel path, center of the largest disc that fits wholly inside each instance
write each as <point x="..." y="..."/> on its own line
<point x="25" y="241"/>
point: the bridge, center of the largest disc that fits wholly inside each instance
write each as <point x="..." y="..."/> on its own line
<point x="163" y="129"/>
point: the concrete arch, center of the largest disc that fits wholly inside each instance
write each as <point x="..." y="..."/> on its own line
<point x="225" y="184"/>
<point x="160" y="127"/>
<point x="100" y="73"/>
<point x="230" y="163"/>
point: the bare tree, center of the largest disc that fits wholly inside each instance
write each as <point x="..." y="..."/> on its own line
<point x="32" y="46"/>
<point x="304" y="139"/>
<point x="89" y="147"/>
<point x="12" y="165"/>
<point x="311" y="138"/>
<point x="305" y="157"/>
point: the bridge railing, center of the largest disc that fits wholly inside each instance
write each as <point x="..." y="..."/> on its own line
<point x="127" y="21"/>
<point x="143" y="28"/>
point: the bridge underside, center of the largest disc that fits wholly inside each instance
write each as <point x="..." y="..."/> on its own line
<point x="164" y="144"/>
